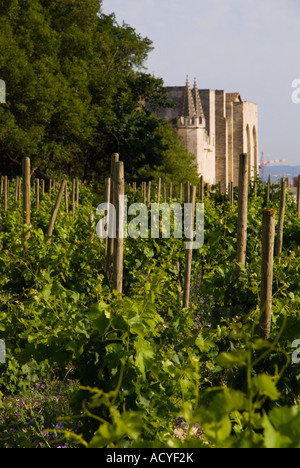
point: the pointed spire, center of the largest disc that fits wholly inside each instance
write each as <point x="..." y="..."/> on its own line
<point x="188" y="107"/>
<point x="197" y="100"/>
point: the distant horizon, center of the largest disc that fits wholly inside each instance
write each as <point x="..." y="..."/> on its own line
<point x="281" y="170"/>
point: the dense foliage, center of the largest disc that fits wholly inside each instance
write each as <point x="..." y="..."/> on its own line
<point x="75" y="86"/>
<point x="143" y="361"/>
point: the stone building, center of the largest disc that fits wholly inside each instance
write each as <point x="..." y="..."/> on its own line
<point x="216" y="127"/>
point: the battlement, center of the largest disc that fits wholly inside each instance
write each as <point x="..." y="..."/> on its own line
<point x="190" y="121"/>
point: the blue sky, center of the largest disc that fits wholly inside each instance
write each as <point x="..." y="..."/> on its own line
<point x="249" y="46"/>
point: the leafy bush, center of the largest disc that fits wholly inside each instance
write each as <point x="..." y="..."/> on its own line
<point x="143" y="361"/>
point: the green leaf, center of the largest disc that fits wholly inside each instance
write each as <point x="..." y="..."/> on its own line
<point x="188" y="389"/>
<point x="81" y="329"/>
<point x="216" y="428"/>
<point x="100" y="317"/>
<point x="138" y="327"/>
<point x="264" y="385"/>
<point x="97" y="310"/>
<point x="144" y="355"/>
<point x="39" y="234"/>
<point x="236" y="358"/>
<point x="76" y="348"/>
<point x="75" y="296"/>
<point x="260" y="344"/>
<point x="125" y="425"/>
<point x="272" y="438"/>
<point x="47" y="291"/>
<point x="101" y="324"/>
<point x="204" y="343"/>
<point x="229" y="400"/>
<point x="169" y="368"/>
<point x="282" y="428"/>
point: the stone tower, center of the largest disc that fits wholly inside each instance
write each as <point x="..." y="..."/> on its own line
<point x="191" y="126"/>
<point x="216" y="127"/>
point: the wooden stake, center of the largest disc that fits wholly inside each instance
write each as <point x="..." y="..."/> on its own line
<point x="20" y="188"/>
<point x="268" y="193"/>
<point x="149" y="193"/>
<point x="110" y="242"/>
<point x="77" y="192"/>
<point x="242" y="210"/>
<point x="187" y="192"/>
<point x="107" y="192"/>
<point x="175" y="191"/>
<point x="26" y="195"/>
<point x="73" y="197"/>
<point x="144" y="192"/>
<point x="67" y="199"/>
<point x="201" y="189"/>
<point x="158" y="190"/>
<point x="17" y="189"/>
<point x="189" y="252"/>
<point x="37" y="193"/>
<point x="268" y="235"/>
<point x="55" y="209"/>
<point x="5" y="193"/>
<point x="117" y="283"/>
<point x="279" y="239"/>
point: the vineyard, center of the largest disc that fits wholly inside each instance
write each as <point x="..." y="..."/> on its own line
<point x="182" y="338"/>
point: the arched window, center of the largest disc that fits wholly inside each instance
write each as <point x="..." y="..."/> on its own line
<point x="249" y="149"/>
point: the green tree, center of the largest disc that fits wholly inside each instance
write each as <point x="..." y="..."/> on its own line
<point x="46" y="117"/>
<point x="76" y="84"/>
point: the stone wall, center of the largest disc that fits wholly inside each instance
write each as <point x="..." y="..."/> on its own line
<point x="245" y="125"/>
<point x="221" y="140"/>
<point x="197" y="141"/>
<point x="228" y="128"/>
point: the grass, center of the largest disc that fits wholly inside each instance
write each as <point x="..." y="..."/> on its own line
<point x="37" y="417"/>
